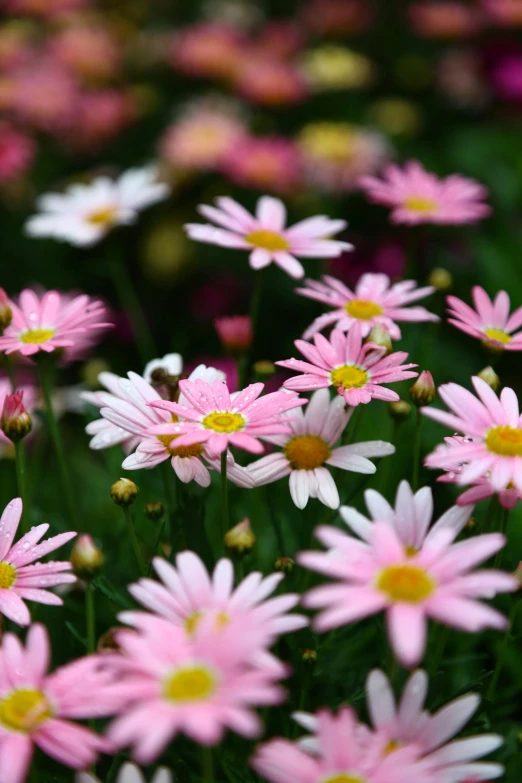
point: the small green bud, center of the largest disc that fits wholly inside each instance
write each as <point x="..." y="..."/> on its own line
<point x="423" y="391"/>
<point x="399" y="410"/>
<point x="124" y="492"/>
<point x="154" y="510"/>
<point x="284" y="564"/>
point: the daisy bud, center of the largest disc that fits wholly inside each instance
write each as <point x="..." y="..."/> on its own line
<point x="154" y="510"/>
<point x="309" y="656"/>
<point x="235" y="332"/>
<point x="440" y="279"/>
<point x="16" y="422"/>
<point x="284" y="564"/>
<point x="423" y="391"/>
<point x="489" y="375"/>
<point x="6" y="314"/>
<point x="107" y="641"/>
<point x="381" y="336"/>
<point x="240" y="538"/>
<point x="264" y="369"/>
<point x="400" y="410"/>
<point x="124" y="492"/>
<point x="86" y="558"/>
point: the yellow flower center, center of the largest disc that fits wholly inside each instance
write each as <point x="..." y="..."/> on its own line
<point x="344" y="778"/>
<point x="181" y="451"/>
<point x="306" y="452"/>
<point x="349" y="377"/>
<point x="7" y="575"/>
<point x="24" y="709"/>
<point x="36" y="336"/>
<point x="498" y="335"/>
<point x="224" y="421"/>
<point x="405" y="583"/>
<point x="420" y="204"/>
<point x="505" y="440"/>
<point x="221" y="620"/>
<point x="191" y="683"/>
<point x="268" y="240"/>
<point x="363" y="309"/>
<point x="106" y="216"/>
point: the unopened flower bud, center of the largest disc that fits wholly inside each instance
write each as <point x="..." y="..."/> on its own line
<point x="423" y="391"/>
<point x="154" y="510"/>
<point x="440" y="279"/>
<point x="240" y="538"/>
<point x="235" y="332"/>
<point x="399" y="410"/>
<point x="6" y="314"/>
<point x="16" y="422"/>
<point x="264" y="369"/>
<point x="284" y="564"/>
<point x="489" y="375"/>
<point x="309" y="656"/>
<point x="107" y="641"/>
<point x="381" y="336"/>
<point x="124" y="492"/>
<point x="86" y="558"/>
<point x="471" y="523"/>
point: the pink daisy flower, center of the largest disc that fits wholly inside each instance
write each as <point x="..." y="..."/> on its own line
<point x="170" y="682"/>
<point x="37" y="708"/>
<point x="218" y="419"/>
<point x="345" y="752"/>
<point x="495" y="428"/>
<point x="309" y="449"/>
<point x="51" y="322"/>
<point x="490" y="321"/>
<point x="355" y="369"/>
<point x="265" y="235"/>
<point x="20" y="576"/>
<point x="429" y="578"/>
<point x="417" y="196"/>
<point x="374" y="301"/>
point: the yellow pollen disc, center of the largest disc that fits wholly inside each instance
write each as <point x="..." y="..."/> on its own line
<point x="192" y="683"/>
<point x="103" y="217"/>
<point x="505" y="440"/>
<point x="419" y="204"/>
<point x="410" y="551"/>
<point x="349" y="377"/>
<point x="7" y="576"/>
<point x="344" y="778"/>
<point x="407" y="583"/>
<point x="24" y="710"/>
<point x="221" y="620"/>
<point x="224" y="421"/>
<point x="181" y="451"/>
<point x="362" y="309"/>
<point x="268" y="240"/>
<point x="498" y="336"/>
<point x="306" y="452"/>
<point x="36" y="336"/>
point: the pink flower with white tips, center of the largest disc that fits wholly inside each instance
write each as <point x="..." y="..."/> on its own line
<point x="21" y="578"/>
<point x="38" y="709"/>
<point x="309" y="449"/>
<point x="490" y="321"/>
<point x="356" y="369"/>
<point x="265" y="235"/>
<point x="431" y="578"/>
<point x="373" y="301"/>
<point x="417" y="196"/>
<point x="495" y="428"/>
<point x="345" y="752"/>
<point x="51" y="322"/>
<point x="170" y="682"/>
<point x="215" y="417"/>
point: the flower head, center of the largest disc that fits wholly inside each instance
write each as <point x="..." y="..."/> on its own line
<point x="411" y="574"/>
<point x="6" y="314"/>
<point x="52" y="322"/>
<point x="265" y="235"/>
<point x="213" y="416"/>
<point x="490" y="321"/>
<point x="235" y="332"/>
<point x="309" y="449"/>
<point x="373" y="301"/>
<point x="84" y="214"/>
<point x="38" y="709"/>
<point x="15" y="421"/>
<point x="355" y="369"/>
<point x="417" y="196"/>
<point x="269" y="163"/>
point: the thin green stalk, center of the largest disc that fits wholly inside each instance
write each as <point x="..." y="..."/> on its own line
<point x="488" y="522"/>
<point x="503" y="528"/>
<point x="275" y="522"/>
<point x="9" y="371"/>
<point x="46" y="372"/>
<point x="171" y="505"/>
<point x="241" y="364"/>
<point x="508" y="637"/>
<point x="255" y="308"/>
<point x="90" y="618"/>
<point x="134" y="540"/>
<point x="439" y="651"/>
<point x="22" y="488"/>
<point x="130" y="302"/>
<point x="353" y="425"/>
<point x="224" y="494"/>
<point x="207" y="765"/>
<point x="416" y="451"/>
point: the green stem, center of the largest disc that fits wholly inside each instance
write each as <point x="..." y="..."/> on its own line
<point x="90" y="618"/>
<point x="502" y="653"/>
<point x="134" y="541"/>
<point x="224" y="494"/>
<point x="131" y="304"/>
<point x="416" y="451"/>
<point x="22" y="488"/>
<point x="46" y="370"/>
<point x="439" y="652"/>
<point x="207" y="765"/>
<point x="9" y="371"/>
<point x="169" y="487"/>
<point x="503" y="527"/>
<point x="353" y="425"/>
<point x="255" y="308"/>
<point x="275" y="522"/>
<point x="490" y="514"/>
